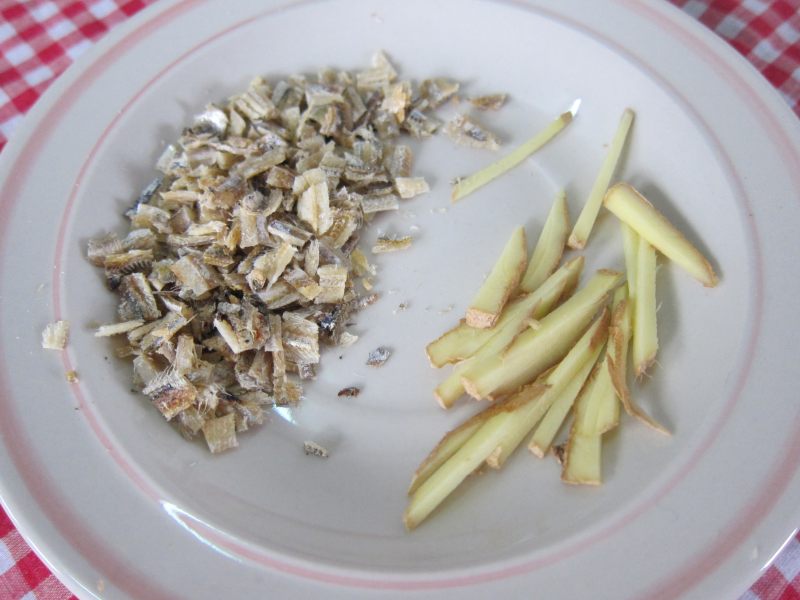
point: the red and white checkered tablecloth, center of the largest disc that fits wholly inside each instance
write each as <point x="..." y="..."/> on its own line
<point x="41" y="38"/>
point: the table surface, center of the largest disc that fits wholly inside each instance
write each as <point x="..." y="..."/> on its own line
<point x="39" y="39"/>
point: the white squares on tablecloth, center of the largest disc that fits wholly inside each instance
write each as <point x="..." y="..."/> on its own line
<point x="788" y="561"/>
<point x="6" y="32"/>
<point x="755" y="6"/>
<point x="44" y="11"/>
<point x="730" y="26"/>
<point x="102" y="9"/>
<point x="788" y="32"/>
<point x="749" y="595"/>
<point x="6" y="129"/>
<point x="4" y="99"/>
<point x="766" y="51"/>
<point x="19" y="53"/>
<point x="60" y="29"/>
<point x="78" y="49"/>
<point x="6" y="560"/>
<point x="38" y="75"/>
<point x="695" y="8"/>
<point x="29" y="596"/>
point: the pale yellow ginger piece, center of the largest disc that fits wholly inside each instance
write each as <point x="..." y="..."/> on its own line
<point x="536" y="350"/>
<point x="633" y="209"/>
<point x="467" y="185"/>
<point x="550" y="247"/>
<point x="619" y="337"/>
<point x="645" y="330"/>
<point x="562" y="381"/>
<point x="488" y="303"/>
<point x="463" y="341"/>
<point x="583" y="226"/>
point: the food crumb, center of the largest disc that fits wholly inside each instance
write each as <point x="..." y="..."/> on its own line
<point x="349" y="392"/>
<point x="379" y="356"/>
<point x="72" y="376"/>
<point x="54" y="336"/>
<point x="314" y="449"/>
<point x="447" y="309"/>
<point x="558" y="452"/>
<point x="401" y="307"/>
<point x="101" y="586"/>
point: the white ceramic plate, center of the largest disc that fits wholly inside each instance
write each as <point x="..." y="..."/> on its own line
<point x="114" y="499"/>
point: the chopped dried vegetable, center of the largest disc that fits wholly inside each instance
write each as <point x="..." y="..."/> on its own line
<point x="242" y="259"/>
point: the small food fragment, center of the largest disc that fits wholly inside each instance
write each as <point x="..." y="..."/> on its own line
<point x="387" y="244"/>
<point x="379" y="356"/>
<point x="488" y="303"/>
<point x="645" y="331"/>
<point x="55" y="335"/>
<point x="489" y="102"/>
<point x="349" y="392"/>
<point x="550" y="247"/>
<point x="583" y="226"/>
<point x="634" y="210"/>
<point x="467" y="185"/>
<point x="314" y="449"/>
<point x="71" y="376"/>
<point x="220" y="433"/>
<point x="534" y="351"/>
<point x="409" y="187"/>
<point x="118" y="328"/>
<point x="467" y="132"/>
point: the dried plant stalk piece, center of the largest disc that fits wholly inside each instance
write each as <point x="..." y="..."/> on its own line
<point x="118" y="328"/>
<point x="488" y="303"/>
<point x="409" y="187"/>
<point x="332" y="282"/>
<point x="379" y="356"/>
<point x="583" y="226"/>
<point x="220" y="433"/>
<point x="314" y="449"/>
<point x="536" y="350"/>
<point x="550" y="246"/>
<point x="55" y="335"/>
<point x="489" y="101"/>
<point x="465" y="131"/>
<point x="634" y="210"/>
<point x="645" y="329"/>
<point x="467" y="185"/>
<point x="385" y="244"/>
<point x="349" y="392"/>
